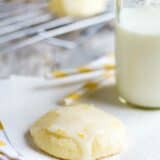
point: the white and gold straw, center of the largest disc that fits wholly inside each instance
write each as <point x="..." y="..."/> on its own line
<point x="108" y="65"/>
<point x="82" y="69"/>
<point x="89" y="86"/>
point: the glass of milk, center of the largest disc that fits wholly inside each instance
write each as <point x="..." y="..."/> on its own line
<point x="138" y="51"/>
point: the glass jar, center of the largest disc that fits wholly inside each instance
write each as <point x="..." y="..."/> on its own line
<point x="138" y="51"/>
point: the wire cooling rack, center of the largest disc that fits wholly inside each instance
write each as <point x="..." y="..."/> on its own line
<point x="23" y="24"/>
<point x="33" y="41"/>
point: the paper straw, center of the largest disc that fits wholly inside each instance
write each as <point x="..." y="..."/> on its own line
<point x="106" y="65"/>
<point x="70" y="98"/>
<point x="83" y="69"/>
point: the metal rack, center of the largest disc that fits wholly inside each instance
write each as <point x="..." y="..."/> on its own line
<point x="23" y="24"/>
<point x="34" y="41"/>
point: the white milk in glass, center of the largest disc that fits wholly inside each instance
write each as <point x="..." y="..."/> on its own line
<point x="138" y="56"/>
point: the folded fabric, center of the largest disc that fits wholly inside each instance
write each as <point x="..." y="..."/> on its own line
<point x="7" y="150"/>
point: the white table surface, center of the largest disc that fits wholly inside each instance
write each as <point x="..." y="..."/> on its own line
<point x="23" y="100"/>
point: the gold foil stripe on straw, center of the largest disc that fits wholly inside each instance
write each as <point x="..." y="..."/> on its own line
<point x="1" y="126"/>
<point x="109" y="66"/>
<point x="83" y="69"/>
<point x="2" y="143"/>
<point x="70" y="98"/>
<point x="59" y="74"/>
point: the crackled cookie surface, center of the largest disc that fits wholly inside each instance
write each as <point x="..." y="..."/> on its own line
<point x="80" y="132"/>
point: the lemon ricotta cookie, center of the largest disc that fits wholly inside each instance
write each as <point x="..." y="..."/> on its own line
<point x="81" y="132"/>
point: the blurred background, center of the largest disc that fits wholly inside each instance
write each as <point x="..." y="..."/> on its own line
<point x="39" y="36"/>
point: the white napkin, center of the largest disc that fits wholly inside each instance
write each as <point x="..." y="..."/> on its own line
<point x="7" y="150"/>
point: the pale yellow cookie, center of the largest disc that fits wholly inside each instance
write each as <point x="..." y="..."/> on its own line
<point x="80" y="132"/>
<point x="77" y="8"/>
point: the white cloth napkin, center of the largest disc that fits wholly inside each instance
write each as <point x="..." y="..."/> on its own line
<point x="7" y="150"/>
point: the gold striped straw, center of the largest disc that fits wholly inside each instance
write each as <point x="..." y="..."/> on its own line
<point x="89" y="86"/>
<point x="79" y="70"/>
<point x="2" y="143"/>
<point x="1" y="126"/>
<point x="83" y="69"/>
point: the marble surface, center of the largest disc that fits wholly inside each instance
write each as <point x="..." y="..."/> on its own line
<point x="42" y="57"/>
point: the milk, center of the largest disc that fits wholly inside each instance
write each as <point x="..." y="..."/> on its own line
<point x="138" y="56"/>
